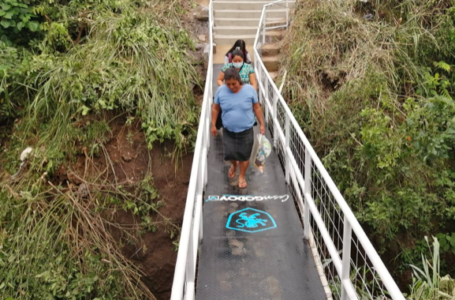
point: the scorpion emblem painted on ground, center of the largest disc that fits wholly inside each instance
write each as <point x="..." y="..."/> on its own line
<point x="250" y="220"/>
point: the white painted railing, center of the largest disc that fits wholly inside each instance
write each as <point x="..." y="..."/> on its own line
<point x="329" y="224"/>
<point x="183" y="286"/>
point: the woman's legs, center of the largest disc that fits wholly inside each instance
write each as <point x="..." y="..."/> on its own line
<point x="243" y="168"/>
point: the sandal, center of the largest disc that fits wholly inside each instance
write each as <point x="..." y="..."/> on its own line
<point x="231" y="174"/>
<point x="242" y="184"/>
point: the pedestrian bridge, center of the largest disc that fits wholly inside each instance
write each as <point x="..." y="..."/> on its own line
<point x="290" y="234"/>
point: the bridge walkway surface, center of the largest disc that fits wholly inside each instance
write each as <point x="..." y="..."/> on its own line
<point x="253" y="245"/>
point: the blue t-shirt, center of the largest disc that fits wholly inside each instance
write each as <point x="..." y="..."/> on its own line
<point x="237" y="108"/>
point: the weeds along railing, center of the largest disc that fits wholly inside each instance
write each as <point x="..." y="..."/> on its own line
<point x="183" y="286"/>
<point x="329" y="224"/>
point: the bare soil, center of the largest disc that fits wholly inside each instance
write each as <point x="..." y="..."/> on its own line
<point x="154" y="253"/>
<point x="127" y="161"/>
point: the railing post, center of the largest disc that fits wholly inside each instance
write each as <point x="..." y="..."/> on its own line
<point x="263" y="27"/>
<point x="307" y="190"/>
<point x="266" y="94"/>
<point x="346" y="263"/>
<point x="208" y="120"/>
<point x="190" y="270"/>
<point x="287" y="133"/>
<point x="274" y="117"/>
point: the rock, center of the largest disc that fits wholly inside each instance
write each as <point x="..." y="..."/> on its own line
<point x="202" y="13"/>
<point x="25" y="153"/>
<point x="201" y="38"/>
<point x="199" y="46"/>
<point x="368" y="17"/>
<point x="127" y="156"/>
<point x="83" y="190"/>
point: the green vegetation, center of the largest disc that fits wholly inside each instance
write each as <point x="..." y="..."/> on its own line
<point x="68" y="71"/>
<point x="376" y="99"/>
<point x="427" y="283"/>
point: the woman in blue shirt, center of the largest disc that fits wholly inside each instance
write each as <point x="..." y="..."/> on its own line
<point x="238" y="103"/>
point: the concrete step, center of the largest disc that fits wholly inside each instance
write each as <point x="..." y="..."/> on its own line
<point x="247" y="21"/>
<point x="245" y="5"/>
<point x="230" y="39"/>
<point x="273" y="36"/>
<point x="270" y="49"/>
<point x="221" y="50"/>
<point x="221" y="39"/>
<point x="271" y="63"/>
<point x="248" y="13"/>
<point x="235" y="30"/>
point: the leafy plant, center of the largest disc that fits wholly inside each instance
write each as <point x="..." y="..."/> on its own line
<point x="16" y="15"/>
<point x="376" y="100"/>
<point x="427" y="283"/>
<point x="447" y="241"/>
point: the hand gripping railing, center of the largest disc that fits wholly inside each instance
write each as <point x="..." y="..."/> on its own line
<point x="183" y="286"/>
<point x="329" y="224"/>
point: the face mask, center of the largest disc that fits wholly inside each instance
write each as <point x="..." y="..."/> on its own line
<point x="237" y="65"/>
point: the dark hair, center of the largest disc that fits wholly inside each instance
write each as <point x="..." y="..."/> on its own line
<point x="237" y="52"/>
<point x="232" y="73"/>
<point x="239" y="45"/>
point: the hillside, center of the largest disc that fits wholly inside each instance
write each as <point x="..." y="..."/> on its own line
<point x="372" y="85"/>
<point x="98" y="113"/>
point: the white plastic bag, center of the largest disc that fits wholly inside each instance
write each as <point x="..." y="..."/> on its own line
<point x="263" y="151"/>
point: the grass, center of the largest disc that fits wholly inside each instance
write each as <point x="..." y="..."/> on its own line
<point x="131" y="62"/>
<point x="376" y="100"/>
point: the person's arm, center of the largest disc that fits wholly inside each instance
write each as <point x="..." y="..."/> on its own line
<point x="220" y="78"/>
<point x="253" y="81"/>
<point x="215" y="113"/>
<point x="258" y="112"/>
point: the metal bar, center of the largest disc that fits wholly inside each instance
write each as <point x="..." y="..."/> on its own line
<point x="263" y="20"/>
<point x="287" y="132"/>
<point x="197" y="226"/>
<point x="266" y="96"/>
<point x="346" y="263"/>
<point x="184" y="267"/>
<point x="281" y="135"/>
<point x="307" y="190"/>
<point x="274" y="112"/>
<point x="190" y="270"/>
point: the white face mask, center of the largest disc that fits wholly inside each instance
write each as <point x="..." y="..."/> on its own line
<point x="237" y="65"/>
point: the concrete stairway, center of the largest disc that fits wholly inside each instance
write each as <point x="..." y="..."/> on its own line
<point x="239" y="19"/>
<point x="270" y="53"/>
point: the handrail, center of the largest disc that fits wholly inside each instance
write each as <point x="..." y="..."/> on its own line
<point x="183" y="286"/>
<point x="309" y="180"/>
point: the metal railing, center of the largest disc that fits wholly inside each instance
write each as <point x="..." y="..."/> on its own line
<point x="183" y="286"/>
<point x="329" y="224"/>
